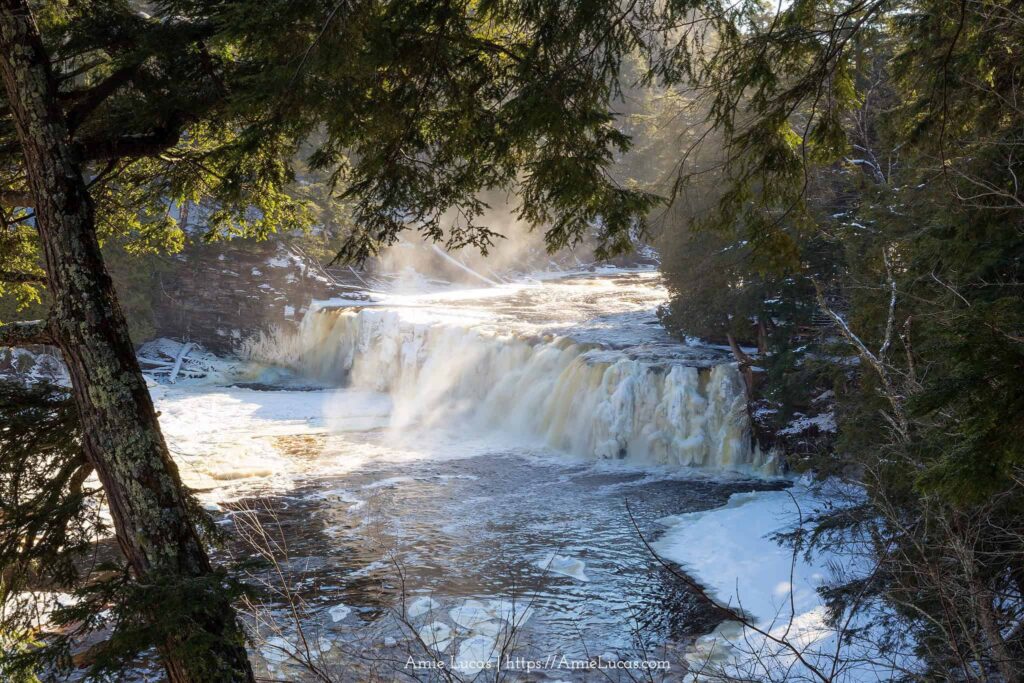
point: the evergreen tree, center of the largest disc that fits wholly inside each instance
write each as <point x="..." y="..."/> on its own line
<point x="114" y="118"/>
<point x="872" y="153"/>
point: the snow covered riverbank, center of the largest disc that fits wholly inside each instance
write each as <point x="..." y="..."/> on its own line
<point x="732" y="551"/>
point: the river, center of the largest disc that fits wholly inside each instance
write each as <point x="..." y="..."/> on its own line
<point x="469" y="477"/>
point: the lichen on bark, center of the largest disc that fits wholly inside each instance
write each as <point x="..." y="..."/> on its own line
<point x="122" y="438"/>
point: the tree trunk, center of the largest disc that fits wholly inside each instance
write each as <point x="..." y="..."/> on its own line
<point x="762" y="337"/>
<point x="744" y="361"/>
<point x="122" y="437"/>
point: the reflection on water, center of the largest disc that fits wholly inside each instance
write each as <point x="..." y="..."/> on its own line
<point x="372" y="544"/>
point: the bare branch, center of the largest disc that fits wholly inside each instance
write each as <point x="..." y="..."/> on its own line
<point x="878" y="364"/>
<point x="905" y="338"/>
<point x="950" y="288"/>
<point x="862" y="349"/>
<point x="890" y="321"/>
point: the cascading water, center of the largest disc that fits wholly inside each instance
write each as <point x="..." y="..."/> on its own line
<point x="574" y="396"/>
<point x="395" y="536"/>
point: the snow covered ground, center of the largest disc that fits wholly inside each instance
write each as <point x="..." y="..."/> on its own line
<point x="732" y="552"/>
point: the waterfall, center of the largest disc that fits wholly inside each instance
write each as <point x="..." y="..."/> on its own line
<point x="574" y="397"/>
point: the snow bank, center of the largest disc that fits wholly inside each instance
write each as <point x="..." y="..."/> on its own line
<point x="729" y="550"/>
<point x="824" y="423"/>
<point x="171" y="361"/>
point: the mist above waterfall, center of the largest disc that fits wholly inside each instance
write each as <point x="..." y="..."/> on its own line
<point x="520" y="250"/>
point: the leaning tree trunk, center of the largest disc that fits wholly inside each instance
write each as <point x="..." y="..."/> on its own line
<point x="122" y="437"/>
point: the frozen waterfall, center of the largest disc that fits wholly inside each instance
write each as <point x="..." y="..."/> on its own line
<point x="572" y="396"/>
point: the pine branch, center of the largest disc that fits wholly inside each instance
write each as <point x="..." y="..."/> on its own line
<point x="159" y="139"/>
<point x="129" y="146"/>
<point x="26" y="333"/>
<point x="92" y="98"/>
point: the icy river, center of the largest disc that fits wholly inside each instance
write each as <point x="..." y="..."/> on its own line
<point x="462" y="484"/>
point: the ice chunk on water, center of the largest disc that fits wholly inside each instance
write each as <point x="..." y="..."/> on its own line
<point x="485" y="617"/>
<point x="471" y="614"/>
<point x="515" y="613"/>
<point x="339" y="612"/>
<point x="421" y="606"/>
<point x="488" y="628"/>
<point x="564" y="565"/>
<point x="475" y="654"/>
<point x="277" y="650"/>
<point x="436" y="635"/>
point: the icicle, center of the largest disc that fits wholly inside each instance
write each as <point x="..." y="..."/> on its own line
<point x="551" y="391"/>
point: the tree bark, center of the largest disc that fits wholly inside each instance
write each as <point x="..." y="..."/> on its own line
<point x="762" y="337"/>
<point x="122" y="437"/>
<point x="745" y="363"/>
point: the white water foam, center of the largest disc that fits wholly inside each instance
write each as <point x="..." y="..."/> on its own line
<point x="575" y="397"/>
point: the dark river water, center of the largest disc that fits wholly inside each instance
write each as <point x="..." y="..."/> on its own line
<point x="371" y="568"/>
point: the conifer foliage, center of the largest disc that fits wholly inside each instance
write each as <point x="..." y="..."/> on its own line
<point x="870" y="176"/>
<point x="846" y="198"/>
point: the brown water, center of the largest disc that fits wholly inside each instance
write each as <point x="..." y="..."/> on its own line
<point x="474" y="528"/>
<point x="476" y="490"/>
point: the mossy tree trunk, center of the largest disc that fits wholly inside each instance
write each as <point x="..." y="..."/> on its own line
<point x="122" y="436"/>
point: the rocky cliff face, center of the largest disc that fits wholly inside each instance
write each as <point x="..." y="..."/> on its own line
<point x="218" y="294"/>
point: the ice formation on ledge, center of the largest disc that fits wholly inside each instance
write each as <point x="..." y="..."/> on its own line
<point x="574" y="397"/>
